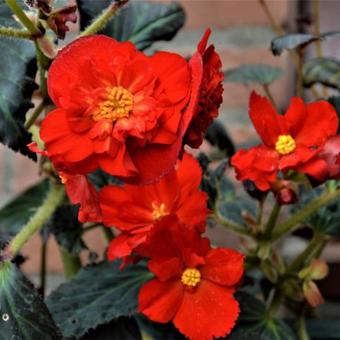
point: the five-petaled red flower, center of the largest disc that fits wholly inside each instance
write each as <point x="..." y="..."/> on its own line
<point x="194" y="283"/>
<point x="118" y="109"/>
<point x="290" y="141"/>
<point x="210" y="91"/>
<point x="134" y="210"/>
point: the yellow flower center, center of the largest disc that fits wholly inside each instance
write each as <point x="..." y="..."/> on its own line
<point x="285" y="144"/>
<point x="118" y="104"/>
<point x="159" y="211"/>
<point x="191" y="277"/>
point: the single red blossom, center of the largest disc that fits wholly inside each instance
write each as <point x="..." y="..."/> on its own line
<point x="290" y="141"/>
<point x="210" y="92"/>
<point x="194" y="283"/>
<point x="135" y="210"/>
<point x="118" y="109"/>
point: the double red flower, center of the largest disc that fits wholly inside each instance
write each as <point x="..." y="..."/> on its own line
<point x="194" y="283"/>
<point x="134" y="210"/>
<point x="294" y="141"/>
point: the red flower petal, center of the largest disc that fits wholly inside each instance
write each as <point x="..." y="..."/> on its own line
<point x="321" y="122"/>
<point x="167" y="269"/>
<point x="159" y="301"/>
<point x="223" y="266"/>
<point x="267" y="122"/>
<point x="209" y="311"/>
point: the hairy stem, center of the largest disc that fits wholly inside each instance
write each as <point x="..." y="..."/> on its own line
<point x="24" y="19"/>
<point x="301" y="328"/>
<point x="15" y="33"/>
<point x="237" y="228"/>
<point x="302" y="214"/>
<point x="101" y="21"/>
<point x="312" y="251"/>
<point x="71" y="263"/>
<point x="30" y="121"/>
<point x="108" y="234"/>
<point x="269" y="227"/>
<point x="53" y="199"/>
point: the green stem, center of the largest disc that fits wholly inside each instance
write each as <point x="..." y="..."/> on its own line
<point x="53" y="199"/>
<point x="43" y="268"/>
<point x="30" y="121"/>
<point x="301" y="328"/>
<point x="71" y="263"/>
<point x="43" y="64"/>
<point x="299" y="77"/>
<point x="275" y="304"/>
<point x="302" y="214"/>
<point x="276" y="27"/>
<point x="24" y="19"/>
<point x="15" y="33"/>
<point x="269" y="227"/>
<point x="316" y="244"/>
<point x="101" y="21"/>
<point x="237" y="228"/>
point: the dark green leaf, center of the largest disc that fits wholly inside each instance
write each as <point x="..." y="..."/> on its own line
<point x="295" y="40"/>
<point x="97" y="295"/>
<point x="66" y="228"/>
<point x="17" y="212"/>
<point x="324" y="329"/>
<point x="324" y="71"/>
<point x="140" y="22"/>
<point x="218" y="136"/>
<point x="335" y="101"/>
<point x="17" y="72"/>
<point x="254" y="324"/>
<point x="258" y="73"/>
<point x="158" y="330"/>
<point x="23" y="314"/>
<point x="124" y="328"/>
<point x="99" y="179"/>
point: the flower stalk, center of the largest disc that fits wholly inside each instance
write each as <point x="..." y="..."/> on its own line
<point x="24" y="19"/>
<point x="302" y="214"/>
<point x="15" y="33"/>
<point x="101" y="21"/>
<point x="71" y="263"/>
<point x="53" y="199"/>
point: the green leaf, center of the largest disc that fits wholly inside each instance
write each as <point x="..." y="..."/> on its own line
<point x="23" y="314"/>
<point x="18" y="211"/>
<point x="323" y="329"/>
<point x="17" y="72"/>
<point x="140" y="22"/>
<point x="295" y="40"/>
<point x="96" y="296"/>
<point x="254" y="323"/>
<point x="324" y="71"/>
<point x="66" y="228"/>
<point x="159" y="330"/>
<point x="124" y="328"/>
<point x="257" y="73"/>
<point x="218" y="136"/>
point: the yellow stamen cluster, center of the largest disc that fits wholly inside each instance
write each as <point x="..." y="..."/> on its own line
<point x="118" y="104"/>
<point x="191" y="277"/>
<point x="159" y="211"/>
<point x="285" y="144"/>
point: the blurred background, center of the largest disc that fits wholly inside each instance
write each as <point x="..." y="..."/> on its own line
<point x="241" y="33"/>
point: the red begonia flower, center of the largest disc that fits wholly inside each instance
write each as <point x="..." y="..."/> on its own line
<point x="290" y="141"/>
<point x="194" y="283"/>
<point x="210" y="93"/>
<point x="134" y="210"/>
<point x="118" y="109"/>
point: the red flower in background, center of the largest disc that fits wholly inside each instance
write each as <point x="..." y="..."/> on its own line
<point x="290" y="141"/>
<point x="118" y="109"/>
<point x="210" y="93"/>
<point x="194" y="283"/>
<point x="134" y="210"/>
